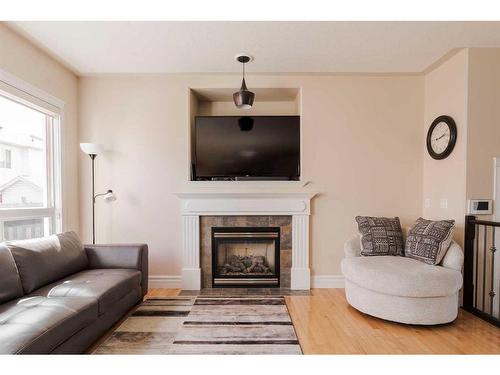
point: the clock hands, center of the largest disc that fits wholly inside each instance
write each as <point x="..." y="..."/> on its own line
<point x="437" y="139"/>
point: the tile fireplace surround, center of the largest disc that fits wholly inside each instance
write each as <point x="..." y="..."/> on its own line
<point x="196" y="205"/>
<point x="284" y="223"/>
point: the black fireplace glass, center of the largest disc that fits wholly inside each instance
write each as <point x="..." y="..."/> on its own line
<point x="245" y="256"/>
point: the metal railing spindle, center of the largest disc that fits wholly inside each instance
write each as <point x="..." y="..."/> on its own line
<point x="492" y="270"/>
<point x="476" y="257"/>
<point x="484" y="266"/>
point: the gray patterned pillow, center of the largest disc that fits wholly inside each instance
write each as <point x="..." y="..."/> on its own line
<point x="380" y="236"/>
<point x="429" y="240"/>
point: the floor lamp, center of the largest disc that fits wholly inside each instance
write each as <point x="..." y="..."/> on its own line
<point x="92" y="150"/>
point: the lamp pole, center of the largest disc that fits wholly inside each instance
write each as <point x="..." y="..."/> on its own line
<point x="92" y="150"/>
<point x="92" y="157"/>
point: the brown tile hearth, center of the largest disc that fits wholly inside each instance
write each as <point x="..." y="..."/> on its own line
<point x="283" y="222"/>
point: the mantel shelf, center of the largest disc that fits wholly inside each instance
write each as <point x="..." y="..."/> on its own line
<point x="248" y="195"/>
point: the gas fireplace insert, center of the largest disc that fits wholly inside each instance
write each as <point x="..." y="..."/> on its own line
<point x="246" y="257"/>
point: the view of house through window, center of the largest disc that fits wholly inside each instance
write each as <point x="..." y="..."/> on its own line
<point x="26" y="203"/>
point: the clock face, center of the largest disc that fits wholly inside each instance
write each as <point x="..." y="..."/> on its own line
<point x="441" y="137"/>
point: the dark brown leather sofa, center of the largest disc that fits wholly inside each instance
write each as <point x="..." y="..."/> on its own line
<point x="58" y="296"/>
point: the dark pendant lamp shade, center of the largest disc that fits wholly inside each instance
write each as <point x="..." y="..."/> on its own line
<point x="243" y="99"/>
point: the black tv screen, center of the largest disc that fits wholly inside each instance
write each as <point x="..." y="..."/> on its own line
<point x="247" y="147"/>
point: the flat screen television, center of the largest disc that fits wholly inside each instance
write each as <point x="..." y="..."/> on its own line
<point x="246" y="148"/>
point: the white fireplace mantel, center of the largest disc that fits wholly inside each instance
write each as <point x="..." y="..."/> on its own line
<point x="194" y="205"/>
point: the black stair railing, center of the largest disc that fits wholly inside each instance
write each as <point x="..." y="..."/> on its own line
<point x="481" y="269"/>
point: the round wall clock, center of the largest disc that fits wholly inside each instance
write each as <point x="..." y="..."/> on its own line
<point x="441" y="137"/>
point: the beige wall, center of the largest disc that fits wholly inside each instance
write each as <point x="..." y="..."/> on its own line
<point x="484" y="121"/>
<point x="23" y="60"/>
<point x="362" y="150"/>
<point x="466" y="87"/>
<point x="446" y="90"/>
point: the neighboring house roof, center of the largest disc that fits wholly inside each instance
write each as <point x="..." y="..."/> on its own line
<point x="18" y="179"/>
<point x="7" y="174"/>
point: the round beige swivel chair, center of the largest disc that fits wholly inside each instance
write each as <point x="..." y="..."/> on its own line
<point x="402" y="289"/>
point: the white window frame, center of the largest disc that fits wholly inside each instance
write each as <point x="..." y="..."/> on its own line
<point x="22" y="92"/>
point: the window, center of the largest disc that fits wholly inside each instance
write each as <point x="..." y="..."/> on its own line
<point x="29" y="168"/>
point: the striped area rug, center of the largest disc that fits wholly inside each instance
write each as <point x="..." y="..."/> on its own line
<point x="237" y="325"/>
<point x="150" y="329"/>
<point x="206" y="325"/>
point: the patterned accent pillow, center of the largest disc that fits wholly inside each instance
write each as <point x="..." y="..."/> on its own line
<point x="429" y="240"/>
<point x="380" y="236"/>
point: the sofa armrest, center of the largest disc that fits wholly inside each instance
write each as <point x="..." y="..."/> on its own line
<point x="454" y="257"/>
<point x="352" y="248"/>
<point x="132" y="256"/>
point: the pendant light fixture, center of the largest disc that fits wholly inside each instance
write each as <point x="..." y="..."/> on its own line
<point x="243" y="99"/>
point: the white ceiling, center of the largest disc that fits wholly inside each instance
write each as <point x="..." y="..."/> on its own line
<point x="186" y="47"/>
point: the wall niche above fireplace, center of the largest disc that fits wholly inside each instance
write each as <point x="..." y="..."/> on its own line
<point x="231" y="164"/>
<point x="245" y="256"/>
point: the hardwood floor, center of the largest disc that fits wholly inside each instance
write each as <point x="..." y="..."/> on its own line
<point x="326" y="324"/>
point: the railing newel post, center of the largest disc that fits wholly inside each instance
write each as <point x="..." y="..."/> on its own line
<point x="470" y="234"/>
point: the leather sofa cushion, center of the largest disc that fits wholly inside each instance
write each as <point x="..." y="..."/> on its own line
<point x="37" y="325"/>
<point x="108" y="286"/>
<point x="44" y="260"/>
<point x="400" y="276"/>
<point x="10" y="282"/>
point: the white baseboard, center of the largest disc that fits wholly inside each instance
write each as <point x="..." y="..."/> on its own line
<point x="327" y="281"/>
<point x="171" y="282"/>
<point x="175" y="282"/>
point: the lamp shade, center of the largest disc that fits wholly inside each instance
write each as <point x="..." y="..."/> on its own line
<point x="243" y="99"/>
<point x="91" y="148"/>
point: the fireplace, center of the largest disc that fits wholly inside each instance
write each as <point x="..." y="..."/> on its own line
<point x="245" y="256"/>
<point x="201" y="211"/>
